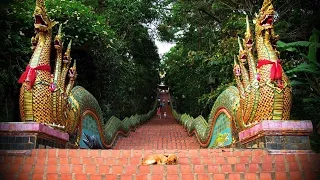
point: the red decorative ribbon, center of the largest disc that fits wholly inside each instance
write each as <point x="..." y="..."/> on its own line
<point x="276" y="69"/>
<point x="30" y="73"/>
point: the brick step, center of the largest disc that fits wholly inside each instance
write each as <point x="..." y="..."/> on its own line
<point x="193" y="163"/>
<point x="158" y="143"/>
<point x="164" y="133"/>
<point x="263" y="163"/>
<point x="225" y="153"/>
<point x="51" y="174"/>
<point x="64" y="167"/>
<point x="161" y="176"/>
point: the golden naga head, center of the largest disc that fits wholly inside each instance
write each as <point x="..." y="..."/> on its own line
<point x="42" y="23"/>
<point x="266" y="15"/>
<point x="242" y="53"/>
<point x="236" y="68"/>
<point x="248" y="39"/>
<point x="73" y="71"/>
<point x="66" y="56"/>
<point x="58" y="40"/>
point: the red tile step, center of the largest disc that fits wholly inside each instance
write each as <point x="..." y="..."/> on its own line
<point x="164" y="133"/>
<point x="192" y="164"/>
<point x="158" y="136"/>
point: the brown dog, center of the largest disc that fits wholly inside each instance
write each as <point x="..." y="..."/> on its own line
<point x="160" y="159"/>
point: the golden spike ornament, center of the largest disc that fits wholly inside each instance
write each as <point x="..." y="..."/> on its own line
<point x="58" y="45"/>
<point x="242" y="57"/>
<point x="56" y="81"/>
<point x="72" y="78"/>
<point x="66" y="63"/>
<point x="248" y="44"/>
<point x="237" y="75"/>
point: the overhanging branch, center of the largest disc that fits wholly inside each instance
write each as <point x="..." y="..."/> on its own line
<point x="209" y="14"/>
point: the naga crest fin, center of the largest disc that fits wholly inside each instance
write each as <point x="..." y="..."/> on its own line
<point x="266" y="4"/>
<point x="67" y="57"/>
<point x="240" y="45"/>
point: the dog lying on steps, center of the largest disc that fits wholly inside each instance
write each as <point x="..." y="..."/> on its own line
<point x="171" y="159"/>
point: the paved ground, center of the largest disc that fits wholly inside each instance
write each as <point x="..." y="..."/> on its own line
<point x="164" y="133"/>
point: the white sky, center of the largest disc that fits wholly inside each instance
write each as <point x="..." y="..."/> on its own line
<point x="163" y="47"/>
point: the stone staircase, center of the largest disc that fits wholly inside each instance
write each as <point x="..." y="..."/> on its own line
<point x="158" y="133"/>
<point x="158" y="136"/>
<point x="199" y="164"/>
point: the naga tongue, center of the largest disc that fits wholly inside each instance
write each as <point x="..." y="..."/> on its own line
<point x="38" y="19"/>
<point x="269" y="20"/>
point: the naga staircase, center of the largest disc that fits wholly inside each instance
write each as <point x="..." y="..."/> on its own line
<point x="159" y="136"/>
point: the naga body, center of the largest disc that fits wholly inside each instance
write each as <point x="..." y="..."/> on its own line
<point x="263" y="90"/>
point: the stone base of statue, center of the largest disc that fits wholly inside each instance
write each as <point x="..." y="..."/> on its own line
<point x="30" y="135"/>
<point x="278" y="135"/>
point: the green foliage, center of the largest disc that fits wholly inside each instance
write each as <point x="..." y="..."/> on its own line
<point x="202" y="60"/>
<point x="305" y="79"/>
<point x="13" y="53"/>
<point x="307" y="73"/>
<point x="135" y="78"/>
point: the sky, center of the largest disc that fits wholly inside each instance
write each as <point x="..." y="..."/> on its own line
<point x="163" y="47"/>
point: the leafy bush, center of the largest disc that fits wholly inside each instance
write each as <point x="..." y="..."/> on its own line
<point x="305" y="79"/>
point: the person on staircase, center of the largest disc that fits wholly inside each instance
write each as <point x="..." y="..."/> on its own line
<point x="159" y="112"/>
<point x="163" y="103"/>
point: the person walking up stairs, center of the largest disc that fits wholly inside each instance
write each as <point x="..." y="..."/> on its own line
<point x="159" y="133"/>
